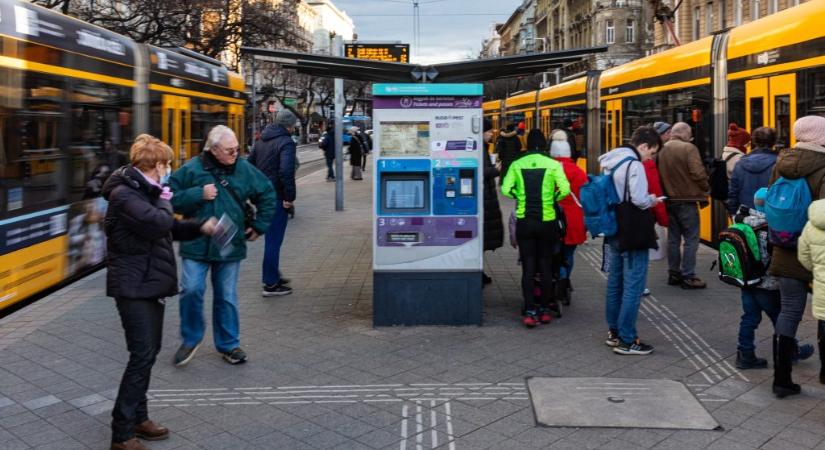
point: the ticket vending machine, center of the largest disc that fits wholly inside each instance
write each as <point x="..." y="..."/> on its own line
<point x="428" y="243"/>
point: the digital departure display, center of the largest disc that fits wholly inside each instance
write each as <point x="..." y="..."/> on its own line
<point x="379" y="52"/>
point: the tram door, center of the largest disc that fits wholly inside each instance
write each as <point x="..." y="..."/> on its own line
<point x="236" y="123"/>
<point x="613" y="124"/>
<point x="545" y="126"/>
<point x="771" y="102"/>
<point x="176" y="129"/>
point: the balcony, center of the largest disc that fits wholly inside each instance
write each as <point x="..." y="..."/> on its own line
<point x="605" y="4"/>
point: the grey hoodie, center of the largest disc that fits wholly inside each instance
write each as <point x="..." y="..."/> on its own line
<point x="638" y="180"/>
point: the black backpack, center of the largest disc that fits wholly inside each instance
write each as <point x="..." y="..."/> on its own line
<point x="719" y="178"/>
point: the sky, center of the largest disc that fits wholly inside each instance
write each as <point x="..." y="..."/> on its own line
<point x="451" y="30"/>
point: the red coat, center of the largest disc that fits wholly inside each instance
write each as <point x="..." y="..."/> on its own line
<point x="654" y="186"/>
<point x="572" y="211"/>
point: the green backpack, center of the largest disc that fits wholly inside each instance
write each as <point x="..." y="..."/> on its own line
<point x="740" y="262"/>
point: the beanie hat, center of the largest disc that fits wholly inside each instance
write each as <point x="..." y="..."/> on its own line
<point x="738" y="137"/>
<point x="661" y="127"/>
<point x="810" y="129"/>
<point x="488" y="125"/>
<point x="559" y="135"/>
<point x="536" y="141"/>
<point x="285" y="118"/>
<point x="560" y="149"/>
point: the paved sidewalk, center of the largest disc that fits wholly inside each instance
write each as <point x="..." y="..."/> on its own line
<point x="320" y="376"/>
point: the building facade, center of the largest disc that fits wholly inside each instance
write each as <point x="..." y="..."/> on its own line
<point x="331" y="20"/>
<point x="695" y="19"/>
<point x="491" y="47"/>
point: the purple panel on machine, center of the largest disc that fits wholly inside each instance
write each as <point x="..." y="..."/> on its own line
<point x="426" y="231"/>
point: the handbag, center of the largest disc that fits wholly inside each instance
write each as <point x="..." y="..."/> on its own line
<point x="636" y="225"/>
<point x="248" y="210"/>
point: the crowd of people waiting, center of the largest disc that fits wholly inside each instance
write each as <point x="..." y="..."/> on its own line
<point x="660" y="178"/>
<point x="217" y="202"/>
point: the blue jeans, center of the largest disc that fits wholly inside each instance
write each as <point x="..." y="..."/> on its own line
<point x="625" y="282"/>
<point x="566" y="268"/>
<point x="272" y="246"/>
<point x="225" y="321"/>
<point x="754" y="303"/>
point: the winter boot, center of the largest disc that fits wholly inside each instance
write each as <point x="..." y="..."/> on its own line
<point x="783" y="385"/>
<point x="820" y="339"/>
<point x="748" y="360"/>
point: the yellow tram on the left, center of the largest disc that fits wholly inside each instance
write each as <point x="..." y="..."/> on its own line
<point x="72" y="98"/>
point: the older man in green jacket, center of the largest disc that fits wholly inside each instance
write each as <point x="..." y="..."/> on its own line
<point x="212" y="184"/>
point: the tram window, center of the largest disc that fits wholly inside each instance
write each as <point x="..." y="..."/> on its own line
<point x="783" y="121"/>
<point x="205" y="115"/>
<point x="30" y="154"/>
<point x="101" y="133"/>
<point x="812" y="94"/>
<point x="574" y="116"/>
<point x="736" y="103"/>
<point x="757" y="107"/>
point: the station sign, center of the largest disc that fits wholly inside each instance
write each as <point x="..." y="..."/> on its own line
<point x="398" y="53"/>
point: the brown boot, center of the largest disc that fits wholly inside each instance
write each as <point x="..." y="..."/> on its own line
<point x="131" y="444"/>
<point x="151" y="431"/>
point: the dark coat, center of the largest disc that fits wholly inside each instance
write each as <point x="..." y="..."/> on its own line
<point x="357" y="147"/>
<point x="274" y="155"/>
<point x="802" y="161"/>
<point x="493" y="224"/>
<point x="139" y="228"/>
<point x="751" y="173"/>
<point x="328" y="144"/>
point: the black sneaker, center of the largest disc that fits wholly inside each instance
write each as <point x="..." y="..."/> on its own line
<point x="277" y="290"/>
<point x="674" y="280"/>
<point x="612" y="339"/>
<point x="234" y="356"/>
<point x="284" y="280"/>
<point x="634" y="348"/>
<point x="185" y="354"/>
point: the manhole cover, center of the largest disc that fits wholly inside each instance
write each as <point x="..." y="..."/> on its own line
<point x="617" y="402"/>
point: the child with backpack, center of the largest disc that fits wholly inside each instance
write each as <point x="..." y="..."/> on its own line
<point x="811" y="254"/>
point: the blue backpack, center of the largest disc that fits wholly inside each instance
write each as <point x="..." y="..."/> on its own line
<point x="599" y="200"/>
<point x="786" y="208"/>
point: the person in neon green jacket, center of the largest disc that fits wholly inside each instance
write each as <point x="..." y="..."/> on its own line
<point x="536" y="182"/>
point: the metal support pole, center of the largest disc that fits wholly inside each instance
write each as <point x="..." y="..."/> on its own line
<point x="254" y="103"/>
<point x="338" y="50"/>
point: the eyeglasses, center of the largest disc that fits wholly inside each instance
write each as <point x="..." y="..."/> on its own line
<point x="230" y="150"/>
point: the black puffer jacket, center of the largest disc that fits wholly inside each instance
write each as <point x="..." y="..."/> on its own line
<point x="493" y="224"/>
<point x="139" y="230"/>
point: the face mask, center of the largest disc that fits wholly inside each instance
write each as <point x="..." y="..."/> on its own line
<point x="165" y="174"/>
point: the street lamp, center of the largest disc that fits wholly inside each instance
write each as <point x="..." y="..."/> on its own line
<point x="543" y="41"/>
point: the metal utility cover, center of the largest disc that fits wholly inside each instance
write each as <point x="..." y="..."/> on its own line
<point x="617" y="403"/>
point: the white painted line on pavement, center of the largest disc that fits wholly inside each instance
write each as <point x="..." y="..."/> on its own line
<point x="419" y="426"/>
<point x="404" y="410"/>
<point x="243" y="403"/>
<point x="187" y="390"/>
<point x="644" y="312"/>
<point x="433" y="424"/>
<point x="449" y="418"/>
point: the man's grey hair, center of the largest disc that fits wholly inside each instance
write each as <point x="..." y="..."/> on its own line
<point x="216" y="134"/>
<point x="681" y="131"/>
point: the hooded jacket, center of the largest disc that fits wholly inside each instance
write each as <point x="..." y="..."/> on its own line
<point x="807" y="161"/>
<point x="684" y="177"/>
<point x="248" y="183"/>
<point x="751" y="173"/>
<point x="811" y="254"/>
<point x="508" y="147"/>
<point x="573" y="212"/>
<point x="274" y="155"/>
<point x="139" y="228"/>
<point x="633" y="171"/>
<point x="536" y="181"/>
<point x="735" y="156"/>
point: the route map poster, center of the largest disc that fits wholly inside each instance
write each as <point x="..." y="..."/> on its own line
<point x="405" y="138"/>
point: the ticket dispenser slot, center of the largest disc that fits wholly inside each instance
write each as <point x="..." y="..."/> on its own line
<point x="455" y="191"/>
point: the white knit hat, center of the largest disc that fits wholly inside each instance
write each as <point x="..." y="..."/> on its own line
<point x="559" y="149"/>
<point x="559" y="135"/>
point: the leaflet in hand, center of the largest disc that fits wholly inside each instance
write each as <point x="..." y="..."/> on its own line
<point x="225" y="231"/>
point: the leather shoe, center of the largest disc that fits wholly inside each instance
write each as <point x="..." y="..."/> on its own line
<point x="151" y="431"/>
<point x="131" y="444"/>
